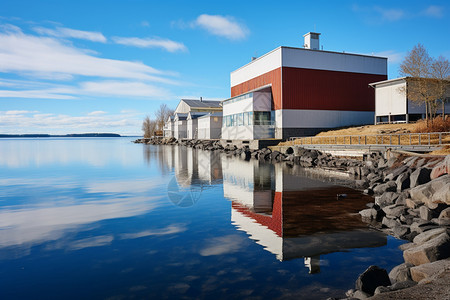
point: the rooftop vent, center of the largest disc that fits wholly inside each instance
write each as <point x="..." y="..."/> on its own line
<point x="311" y="41"/>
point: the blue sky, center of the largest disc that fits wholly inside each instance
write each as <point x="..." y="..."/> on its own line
<point x="101" y="66"/>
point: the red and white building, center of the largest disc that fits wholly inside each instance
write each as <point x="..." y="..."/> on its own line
<point x="311" y="90"/>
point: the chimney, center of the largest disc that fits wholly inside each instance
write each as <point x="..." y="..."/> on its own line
<point x="311" y="41"/>
<point x="201" y="99"/>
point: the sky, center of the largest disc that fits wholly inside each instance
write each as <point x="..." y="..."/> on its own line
<point x="102" y="66"/>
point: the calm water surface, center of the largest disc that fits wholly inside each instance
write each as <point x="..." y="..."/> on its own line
<point x="102" y="218"/>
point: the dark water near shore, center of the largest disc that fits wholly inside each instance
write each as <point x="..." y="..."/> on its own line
<point x="102" y="218"/>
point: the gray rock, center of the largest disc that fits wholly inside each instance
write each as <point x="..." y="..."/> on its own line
<point x="391" y="162"/>
<point x="435" y="249"/>
<point x="445" y="214"/>
<point x="433" y="192"/>
<point x="367" y="213"/>
<point x="372" y="278"/>
<point x="362" y="184"/>
<point x="401" y="273"/>
<point x="396" y="172"/>
<point x="386" y="198"/>
<point x="426" y="213"/>
<point x="411" y="203"/>
<point x="428" y="235"/>
<point x="410" y="161"/>
<point x="403" y="182"/>
<point x="394" y="210"/>
<point x="420" y="163"/>
<point x="382" y="163"/>
<point x="360" y="295"/>
<point x="400" y="231"/>
<point x="420" y="176"/>
<point x="389" y="186"/>
<point x="381" y="289"/>
<point x="402" y="285"/>
<point x="390" y="222"/>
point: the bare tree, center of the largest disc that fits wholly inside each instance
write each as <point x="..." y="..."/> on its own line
<point x="162" y="114"/>
<point x="148" y="127"/>
<point x="426" y="79"/>
<point x="440" y="69"/>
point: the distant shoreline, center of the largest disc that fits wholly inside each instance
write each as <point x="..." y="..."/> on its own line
<point x="32" y="135"/>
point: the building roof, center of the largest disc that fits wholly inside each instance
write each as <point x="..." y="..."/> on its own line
<point x="180" y="116"/>
<point x="194" y="115"/>
<point x="202" y="103"/>
<point x="387" y="81"/>
<point x="215" y="114"/>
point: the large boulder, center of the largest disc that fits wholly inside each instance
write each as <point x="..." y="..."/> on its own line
<point x="403" y="182"/>
<point x="372" y="278"/>
<point x="432" y="193"/>
<point x="441" y="168"/>
<point x="419" y="176"/>
<point x="389" y="186"/>
<point x="435" y="249"/>
<point x="421" y="272"/>
<point x="401" y="273"/>
<point x="428" y="235"/>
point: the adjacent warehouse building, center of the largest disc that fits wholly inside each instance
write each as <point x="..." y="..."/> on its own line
<point x="393" y="104"/>
<point x="310" y="90"/>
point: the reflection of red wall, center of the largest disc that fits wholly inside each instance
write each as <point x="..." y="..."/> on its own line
<point x="315" y="89"/>
<point x="274" y="222"/>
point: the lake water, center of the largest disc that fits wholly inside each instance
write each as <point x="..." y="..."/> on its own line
<point x="103" y="218"/>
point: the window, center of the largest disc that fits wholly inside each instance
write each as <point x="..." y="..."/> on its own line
<point x="262" y="118"/>
<point x="250" y="118"/>
<point x="240" y="119"/>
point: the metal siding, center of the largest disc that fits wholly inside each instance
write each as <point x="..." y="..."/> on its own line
<point x="272" y="77"/>
<point x="330" y="90"/>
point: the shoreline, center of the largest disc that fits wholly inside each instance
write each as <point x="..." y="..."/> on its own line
<point x="411" y="202"/>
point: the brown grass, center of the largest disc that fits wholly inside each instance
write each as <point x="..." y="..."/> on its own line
<point x="438" y="124"/>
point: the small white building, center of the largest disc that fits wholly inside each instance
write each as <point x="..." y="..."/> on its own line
<point x="209" y="126"/>
<point x="249" y="116"/>
<point x="192" y="121"/>
<point x="168" y="127"/>
<point x="392" y="104"/>
<point x="180" y="126"/>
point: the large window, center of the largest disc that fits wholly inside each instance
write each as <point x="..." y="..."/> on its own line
<point x="262" y="118"/>
<point x="249" y="118"/>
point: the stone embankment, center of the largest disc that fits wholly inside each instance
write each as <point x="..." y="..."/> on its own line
<point x="411" y="202"/>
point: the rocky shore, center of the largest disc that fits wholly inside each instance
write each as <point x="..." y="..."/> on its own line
<point x="411" y="202"/>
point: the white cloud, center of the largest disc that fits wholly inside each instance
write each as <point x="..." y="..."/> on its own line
<point x="145" y="24"/>
<point x="171" y="229"/>
<point x="96" y="241"/>
<point x="40" y="56"/>
<point x="19" y="112"/>
<point x="434" y="11"/>
<point x="165" y="44"/>
<point x="222" y="26"/>
<point x="63" y="32"/>
<point x="34" y="94"/>
<point x="97" y="113"/>
<point x="390" y="14"/>
<point x="119" y="88"/>
<point x="222" y="245"/>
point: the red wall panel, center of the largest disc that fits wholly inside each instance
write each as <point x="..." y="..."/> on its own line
<point x="330" y="90"/>
<point x="315" y="89"/>
<point x="272" y="77"/>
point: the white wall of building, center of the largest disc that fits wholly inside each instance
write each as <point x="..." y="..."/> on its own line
<point x="257" y="67"/>
<point x="309" y="59"/>
<point x="209" y="127"/>
<point x="191" y="127"/>
<point x="333" y="61"/>
<point x="180" y="130"/>
<point x="389" y="99"/>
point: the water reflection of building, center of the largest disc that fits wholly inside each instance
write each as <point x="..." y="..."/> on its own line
<point x="192" y="166"/>
<point x="292" y="216"/>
